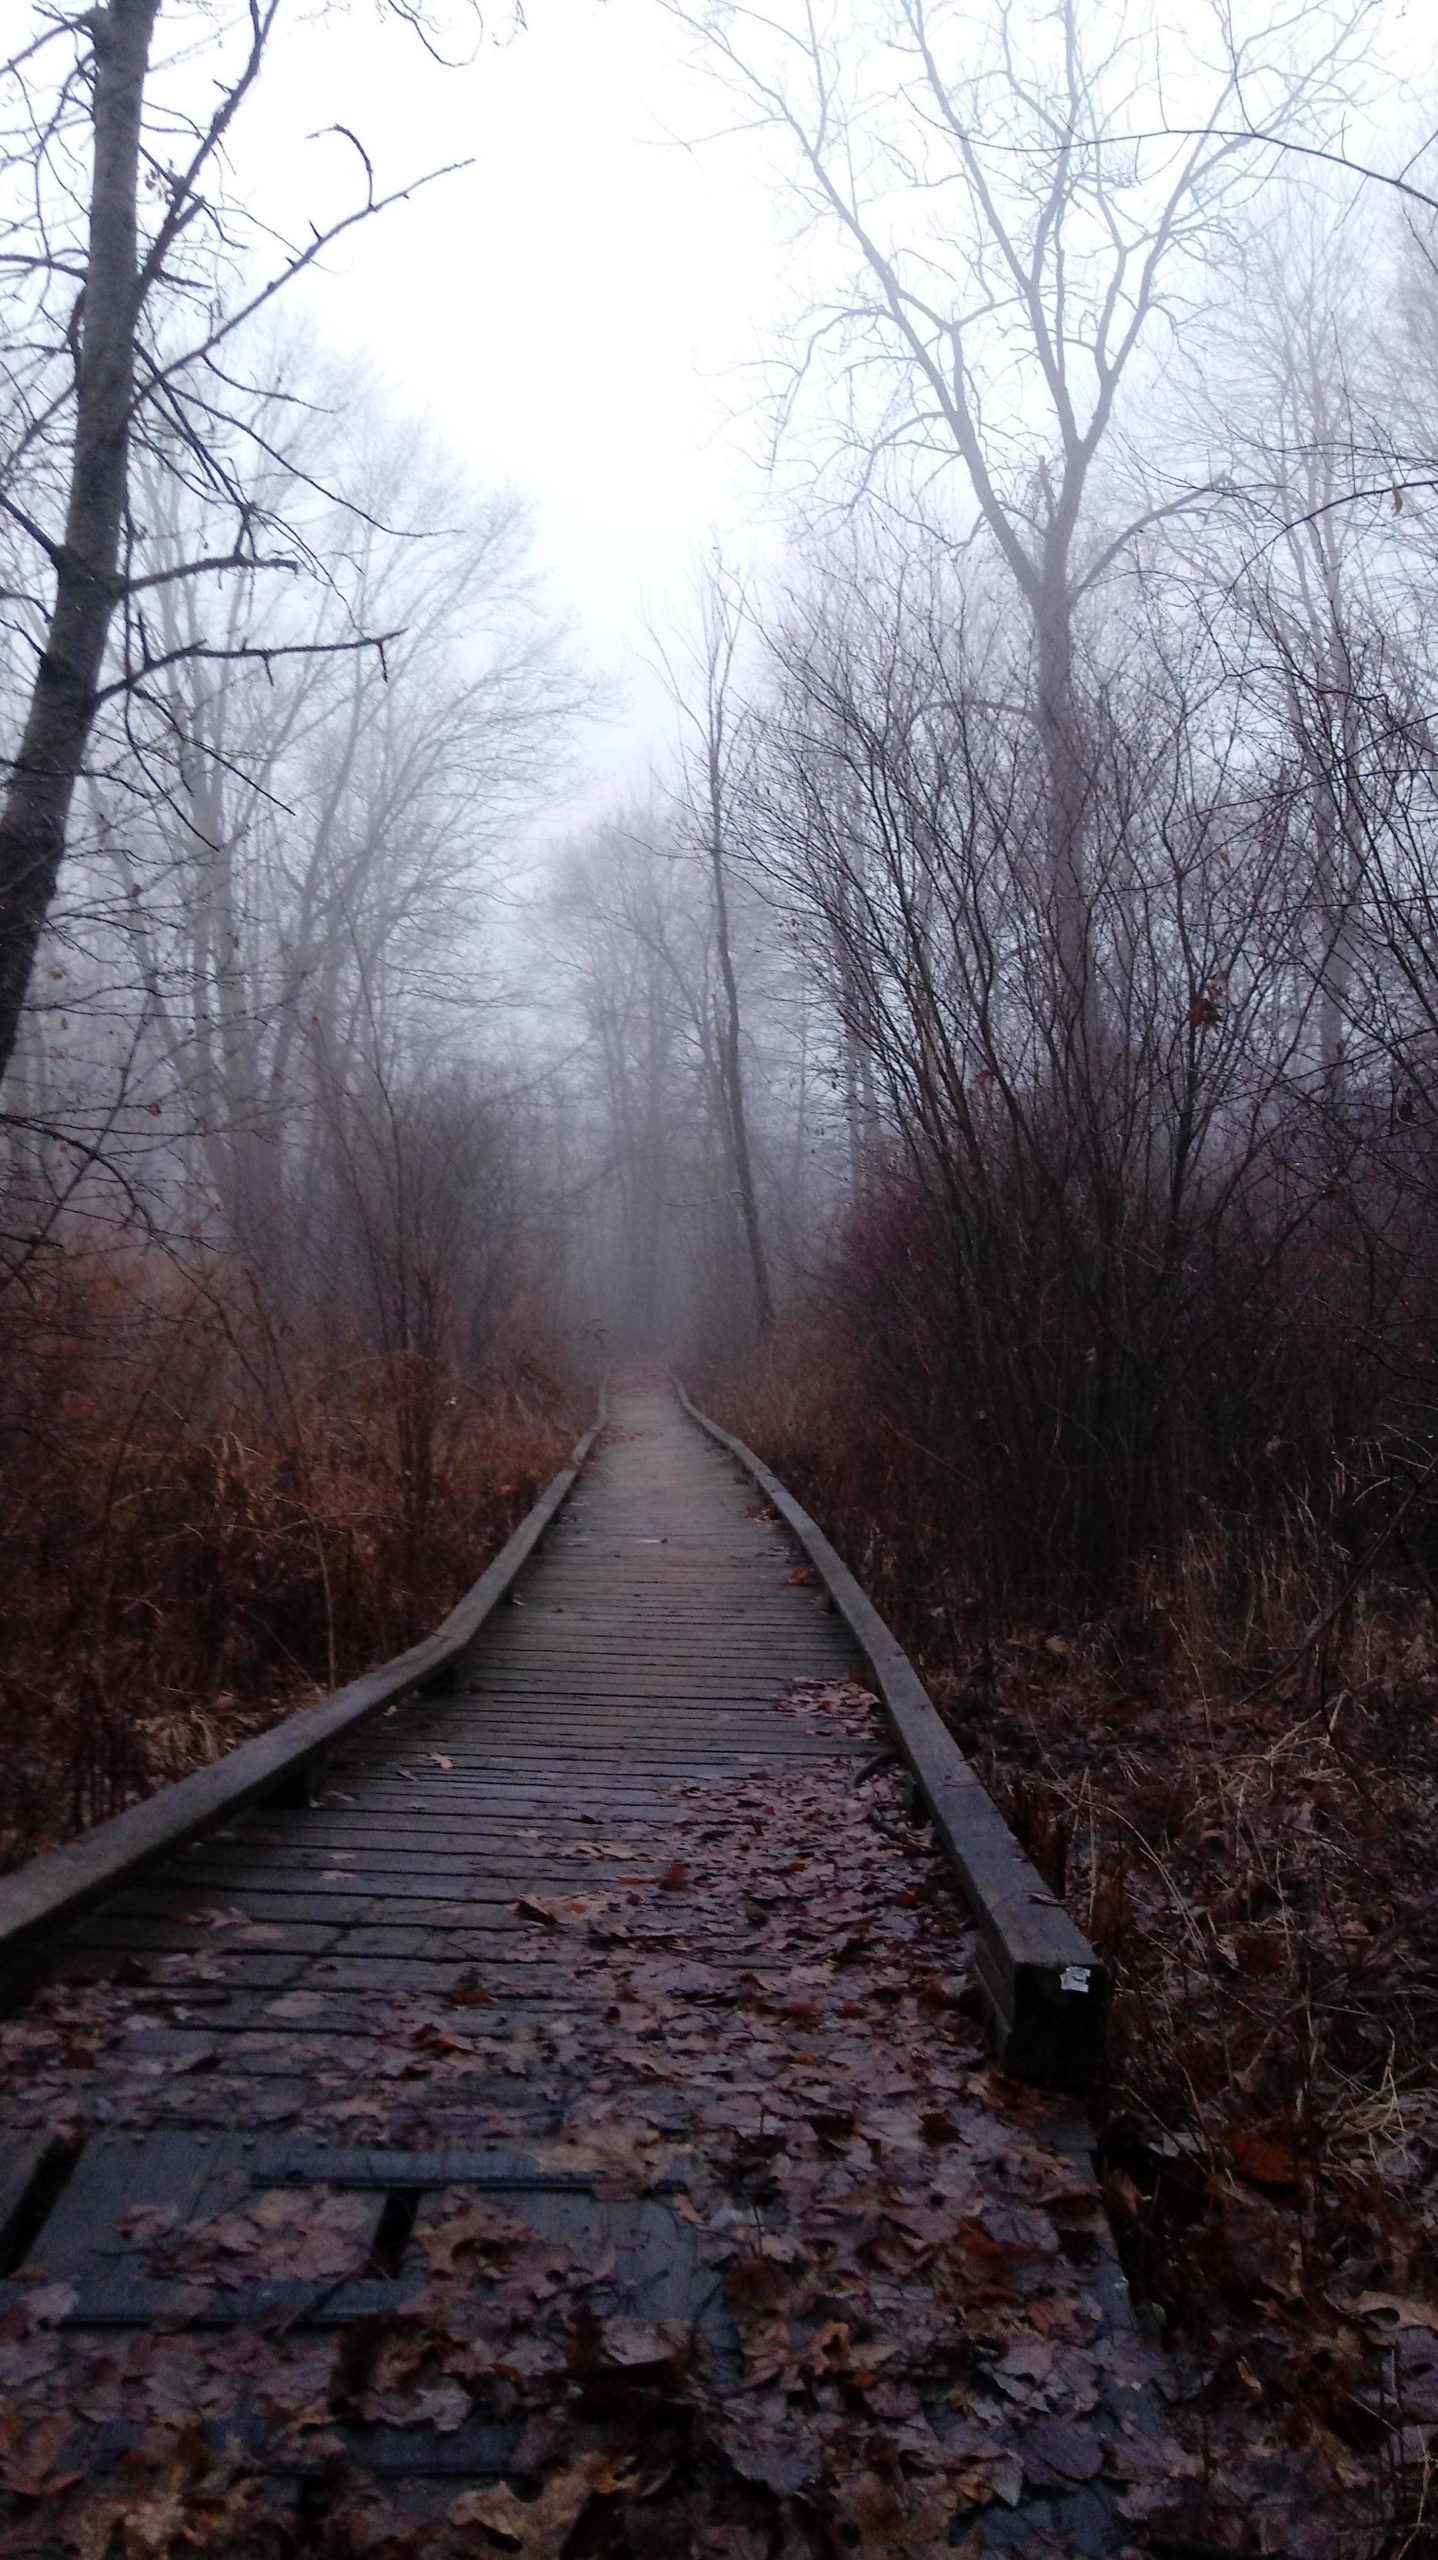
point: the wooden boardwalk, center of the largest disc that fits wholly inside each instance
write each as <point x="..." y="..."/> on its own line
<point x="649" y="1649"/>
<point x="412" y="2137"/>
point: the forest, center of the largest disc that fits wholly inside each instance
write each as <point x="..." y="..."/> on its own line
<point x="988" y="1049"/>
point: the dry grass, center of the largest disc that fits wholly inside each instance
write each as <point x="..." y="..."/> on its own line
<point x="201" y="1527"/>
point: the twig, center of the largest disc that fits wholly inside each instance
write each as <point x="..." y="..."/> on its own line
<point x="1365" y="1563"/>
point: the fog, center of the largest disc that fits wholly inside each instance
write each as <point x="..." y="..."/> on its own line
<point x="711" y="410"/>
<point x="758" y="691"/>
<point x="818" y="326"/>
<point x="580" y="312"/>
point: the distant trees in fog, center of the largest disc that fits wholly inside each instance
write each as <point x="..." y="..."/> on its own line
<point x="1087" y="785"/>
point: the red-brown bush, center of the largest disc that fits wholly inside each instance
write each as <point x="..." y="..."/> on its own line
<point x="206" y="1518"/>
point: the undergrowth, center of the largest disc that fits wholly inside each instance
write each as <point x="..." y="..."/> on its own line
<point x="205" y="1521"/>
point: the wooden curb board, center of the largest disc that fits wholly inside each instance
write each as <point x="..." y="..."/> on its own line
<point x="1044" y="1988"/>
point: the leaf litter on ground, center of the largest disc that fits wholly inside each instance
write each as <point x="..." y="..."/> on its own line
<point x="905" y="2331"/>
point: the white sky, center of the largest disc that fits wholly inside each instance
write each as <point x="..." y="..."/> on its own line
<point x="578" y="315"/>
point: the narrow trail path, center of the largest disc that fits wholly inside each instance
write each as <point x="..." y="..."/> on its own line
<point x="569" y="2134"/>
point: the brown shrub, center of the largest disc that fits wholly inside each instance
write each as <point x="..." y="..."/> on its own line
<point x="205" y="1520"/>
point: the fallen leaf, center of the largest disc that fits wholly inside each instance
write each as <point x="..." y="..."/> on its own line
<point x="630" y="2344"/>
<point x="532" y="2529"/>
<point x="28" y="2454"/>
<point x="895" y="2519"/>
<point x="1401" y="2310"/>
<point x="445" y="2407"/>
<point x="1265" y="2159"/>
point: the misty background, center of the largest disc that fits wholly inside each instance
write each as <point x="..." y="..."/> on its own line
<point x="768" y="703"/>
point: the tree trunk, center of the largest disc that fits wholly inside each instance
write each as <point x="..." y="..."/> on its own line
<point x="733" y="1064"/>
<point x="1340" y="865"/>
<point x="735" y="1094"/>
<point x="1060" y="743"/>
<point x="36" y="811"/>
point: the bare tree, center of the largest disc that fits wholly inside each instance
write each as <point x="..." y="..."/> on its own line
<point x="1065" y="1229"/>
<point x="704" y="694"/>
<point x="133" y="308"/>
<point x="1015" y="227"/>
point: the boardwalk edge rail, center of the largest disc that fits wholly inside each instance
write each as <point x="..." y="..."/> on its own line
<point x="1042" y="1985"/>
<point x="40" y="1897"/>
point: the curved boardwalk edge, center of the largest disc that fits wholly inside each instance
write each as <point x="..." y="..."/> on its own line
<point x="1044" y="1988"/>
<point x="40" y="1897"/>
